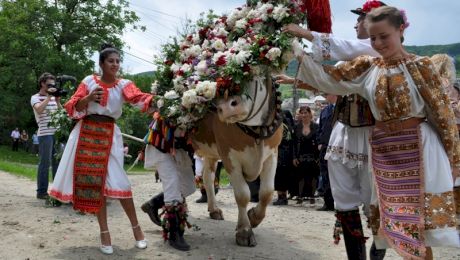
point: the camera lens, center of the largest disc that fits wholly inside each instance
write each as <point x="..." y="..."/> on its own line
<point x="51" y="85"/>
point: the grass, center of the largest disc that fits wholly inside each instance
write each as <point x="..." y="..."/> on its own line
<point x="18" y="163"/>
<point x="25" y="164"/>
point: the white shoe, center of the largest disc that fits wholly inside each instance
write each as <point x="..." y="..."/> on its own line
<point x="107" y="250"/>
<point x="141" y="244"/>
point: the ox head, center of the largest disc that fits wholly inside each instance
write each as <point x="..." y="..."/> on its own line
<point x="251" y="108"/>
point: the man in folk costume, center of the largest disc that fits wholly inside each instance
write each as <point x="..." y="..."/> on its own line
<point x="199" y="178"/>
<point x="347" y="151"/>
<point x="167" y="151"/>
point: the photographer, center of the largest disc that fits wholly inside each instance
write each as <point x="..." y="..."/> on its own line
<point x="43" y="104"/>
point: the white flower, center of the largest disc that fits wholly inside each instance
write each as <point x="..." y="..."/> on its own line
<point x="186" y="67"/>
<point x="171" y="94"/>
<point x="242" y="57"/>
<point x="193" y="51"/>
<point x="185" y="120"/>
<point x="175" y="67"/>
<point x="220" y="31"/>
<point x="160" y="103"/>
<point x="280" y="12"/>
<point x="189" y="98"/>
<point x="241" y="44"/>
<point x="241" y="24"/>
<point x="196" y="38"/>
<point x="219" y="45"/>
<point x="154" y="88"/>
<point x="273" y="53"/>
<point x="172" y="110"/>
<point x="206" y="89"/>
<point x="201" y="68"/>
<point x="205" y="44"/>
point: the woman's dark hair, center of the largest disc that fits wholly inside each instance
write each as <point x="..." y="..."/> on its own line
<point x="106" y="50"/>
<point x="43" y="78"/>
<point x="394" y="16"/>
<point x="305" y="108"/>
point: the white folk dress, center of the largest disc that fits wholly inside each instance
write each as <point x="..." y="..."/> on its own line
<point x="408" y="88"/>
<point x="347" y="144"/>
<point x="117" y="184"/>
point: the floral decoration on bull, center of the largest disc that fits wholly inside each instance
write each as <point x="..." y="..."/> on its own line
<point x="221" y="55"/>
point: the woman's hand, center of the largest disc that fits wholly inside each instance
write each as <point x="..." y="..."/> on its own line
<point x="96" y="95"/>
<point x="284" y="79"/>
<point x="297" y="31"/>
<point x="295" y="162"/>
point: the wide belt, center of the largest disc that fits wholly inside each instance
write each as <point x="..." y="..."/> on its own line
<point x="398" y="125"/>
<point x="100" y="118"/>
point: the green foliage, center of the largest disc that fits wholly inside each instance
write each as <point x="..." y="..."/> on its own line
<point x="54" y="36"/>
<point x="452" y="50"/>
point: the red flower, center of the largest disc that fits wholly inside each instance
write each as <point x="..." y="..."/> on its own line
<point x="369" y="5"/>
<point x="254" y="20"/>
<point x="246" y="68"/>
<point x="223" y="83"/>
<point x="221" y="61"/>
<point x="203" y="32"/>
<point x="169" y="62"/>
<point x="262" y="41"/>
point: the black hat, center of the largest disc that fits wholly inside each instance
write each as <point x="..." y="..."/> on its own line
<point x="367" y="7"/>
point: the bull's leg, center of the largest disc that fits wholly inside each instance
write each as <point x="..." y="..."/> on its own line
<point x="208" y="181"/>
<point x="244" y="234"/>
<point x="267" y="186"/>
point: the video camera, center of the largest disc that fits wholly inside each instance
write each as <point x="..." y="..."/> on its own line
<point x="57" y="89"/>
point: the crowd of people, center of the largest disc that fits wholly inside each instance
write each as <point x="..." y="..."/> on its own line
<point x="387" y="119"/>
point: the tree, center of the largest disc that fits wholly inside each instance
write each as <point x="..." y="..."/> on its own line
<point x="57" y="36"/>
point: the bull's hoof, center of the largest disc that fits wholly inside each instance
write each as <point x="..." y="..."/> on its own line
<point x="253" y="218"/>
<point x="246" y="238"/>
<point x="216" y="214"/>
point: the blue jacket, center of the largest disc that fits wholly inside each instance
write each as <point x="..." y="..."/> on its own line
<point x="325" y="125"/>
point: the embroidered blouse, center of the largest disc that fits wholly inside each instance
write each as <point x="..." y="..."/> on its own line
<point x="114" y="96"/>
<point x="395" y="90"/>
<point x="328" y="47"/>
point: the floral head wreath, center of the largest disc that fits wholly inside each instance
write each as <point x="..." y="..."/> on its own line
<point x="404" y="16"/>
<point x="369" y="5"/>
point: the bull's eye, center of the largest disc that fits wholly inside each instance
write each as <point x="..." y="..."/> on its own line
<point x="233" y="103"/>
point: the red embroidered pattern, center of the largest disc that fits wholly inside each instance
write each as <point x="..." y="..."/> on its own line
<point x="116" y="194"/>
<point x="90" y="169"/>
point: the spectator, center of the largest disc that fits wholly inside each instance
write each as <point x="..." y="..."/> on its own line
<point x="25" y="140"/>
<point x="305" y="155"/>
<point x="324" y="133"/>
<point x="43" y="105"/>
<point x="15" y="135"/>
<point x="35" y="143"/>
<point x="284" y="167"/>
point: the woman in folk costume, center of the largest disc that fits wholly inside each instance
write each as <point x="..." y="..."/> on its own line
<point x="347" y="149"/>
<point x="414" y="144"/>
<point x="169" y="153"/>
<point x="91" y="167"/>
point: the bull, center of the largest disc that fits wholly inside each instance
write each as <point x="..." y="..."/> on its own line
<point x="244" y="132"/>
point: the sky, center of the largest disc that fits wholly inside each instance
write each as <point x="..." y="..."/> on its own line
<point x="431" y="22"/>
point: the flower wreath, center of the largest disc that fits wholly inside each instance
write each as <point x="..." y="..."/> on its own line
<point x="220" y="56"/>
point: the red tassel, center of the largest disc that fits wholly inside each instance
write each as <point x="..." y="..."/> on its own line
<point x="319" y="15"/>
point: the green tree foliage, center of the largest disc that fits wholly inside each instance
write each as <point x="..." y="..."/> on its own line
<point x="57" y="36"/>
